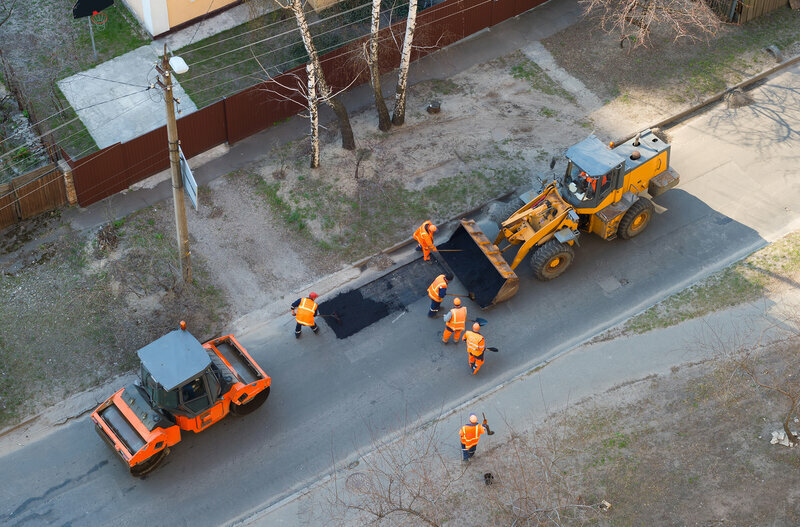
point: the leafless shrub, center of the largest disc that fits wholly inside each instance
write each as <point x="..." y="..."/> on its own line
<point x="635" y="20"/>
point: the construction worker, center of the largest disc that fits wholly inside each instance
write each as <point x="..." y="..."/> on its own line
<point x="476" y="346"/>
<point x="454" y="322"/>
<point x="304" y="310"/>
<point x="424" y="237"/>
<point x="437" y="291"/>
<point x="470" y="434"/>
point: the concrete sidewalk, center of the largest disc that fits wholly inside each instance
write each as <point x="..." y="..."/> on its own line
<point x="588" y="371"/>
<point x="500" y="40"/>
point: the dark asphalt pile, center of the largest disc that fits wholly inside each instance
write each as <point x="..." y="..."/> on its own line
<point x="472" y="267"/>
<point x="393" y="292"/>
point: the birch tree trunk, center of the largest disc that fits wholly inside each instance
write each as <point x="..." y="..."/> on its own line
<point x="313" y="115"/>
<point x="399" y="115"/>
<point x="384" y="122"/>
<point x="348" y="142"/>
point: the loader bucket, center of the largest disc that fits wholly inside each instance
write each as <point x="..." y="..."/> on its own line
<point x="479" y="265"/>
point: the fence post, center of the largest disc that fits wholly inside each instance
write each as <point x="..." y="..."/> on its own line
<point x="69" y="182"/>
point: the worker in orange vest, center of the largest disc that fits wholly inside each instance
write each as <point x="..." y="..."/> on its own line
<point x="454" y="322"/>
<point x="304" y="310"/>
<point x="424" y="237"/>
<point x="476" y="346"/>
<point x="437" y="291"/>
<point x="470" y="434"/>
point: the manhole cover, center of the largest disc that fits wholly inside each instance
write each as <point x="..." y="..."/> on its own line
<point x="357" y="482"/>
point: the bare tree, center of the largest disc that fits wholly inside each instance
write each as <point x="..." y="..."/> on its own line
<point x="296" y="7"/>
<point x="635" y="20"/>
<point x="409" y="479"/>
<point x="399" y="114"/>
<point x="384" y="122"/>
<point x="6" y="10"/>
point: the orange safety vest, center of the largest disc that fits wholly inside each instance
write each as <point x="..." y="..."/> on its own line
<point x="475" y="343"/>
<point x="305" y="312"/>
<point x="458" y="320"/>
<point x="423" y="237"/>
<point x="470" y="433"/>
<point x="433" y="289"/>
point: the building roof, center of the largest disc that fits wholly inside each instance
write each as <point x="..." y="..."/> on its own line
<point x="174" y="358"/>
<point x="593" y="156"/>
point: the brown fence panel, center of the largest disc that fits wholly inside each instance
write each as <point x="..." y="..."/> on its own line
<point x="144" y="156"/>
<point x="40" y="191"/>
<point x="477" y="15"/>
<point x="203" y="129"/>
<point x="390" y="41"/>
<point x="345" y="66"/>
<point x="99" y="175"/>
<point x="8" y="206"/>
<point x="257" y="108"/>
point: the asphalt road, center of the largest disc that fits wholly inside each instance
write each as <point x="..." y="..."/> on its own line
<point x="331" y="398"/>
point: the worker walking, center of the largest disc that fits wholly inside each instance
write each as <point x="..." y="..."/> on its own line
<point x="470" y="434"/>
<point x="454" y="322"/>
<point x="424" y="237"/>
<point x="304" y="310"/>
<point x="476" y="346"/>
<point x="437" y="291"/>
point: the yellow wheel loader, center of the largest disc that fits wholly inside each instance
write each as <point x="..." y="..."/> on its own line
<point x="603" y="191"/>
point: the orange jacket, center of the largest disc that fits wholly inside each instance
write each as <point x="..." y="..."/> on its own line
<point x="423" y="237"/>
<point x="470" y="433"/>
<point x="458" y="321"/>
<point x="433" y="289"/>
<point x="475" y="343"/>
<point x="306" y="311"/>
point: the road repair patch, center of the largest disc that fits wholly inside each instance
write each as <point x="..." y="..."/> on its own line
<point x="393" y="292"/>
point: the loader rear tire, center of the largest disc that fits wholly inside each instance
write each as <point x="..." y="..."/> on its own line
<point x="246" y="408"/>
<point x="149" y="465"/>
<point x="551" y="260"/>
<point x="636" y="219"/>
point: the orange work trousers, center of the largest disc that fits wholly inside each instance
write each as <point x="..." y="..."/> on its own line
<point x="448" y="332"/>
<point x="475" y="362"/>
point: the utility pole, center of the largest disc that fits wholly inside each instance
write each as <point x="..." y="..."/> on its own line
<point x="175" y="169"/>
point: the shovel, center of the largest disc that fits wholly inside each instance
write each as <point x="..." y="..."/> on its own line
<point x="493" y="349"/>
<point x="334" y="316"/>
<point x="481" y="321"/>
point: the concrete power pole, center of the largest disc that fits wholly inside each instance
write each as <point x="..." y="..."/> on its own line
<point x="175" y="170"/>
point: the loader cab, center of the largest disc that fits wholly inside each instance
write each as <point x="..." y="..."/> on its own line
<point x="177" y="374"/>
<point x="593" y="172"/>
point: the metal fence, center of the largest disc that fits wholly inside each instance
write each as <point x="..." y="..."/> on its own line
<point x="116" y="167"/>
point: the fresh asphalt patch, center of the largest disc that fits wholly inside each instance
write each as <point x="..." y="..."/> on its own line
<point x="393" y="292"/>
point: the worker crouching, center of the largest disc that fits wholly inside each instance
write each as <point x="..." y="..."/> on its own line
<point x="476" y="346"/>
<point x="437" y="291"/>
<point x="470" y="434"/>
<point x="424" y="238"/>
<point x="454" y="322"/>
<point x="305" y="309"/>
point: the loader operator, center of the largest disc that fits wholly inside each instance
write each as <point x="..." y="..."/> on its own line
<point x="424" y="237"/>
<point x="470" y="435"/>
<point x="454" y="322"/>
<point x="476" y="345"/>
<point x="304" y="310"/>
<point x="437" y="291"/>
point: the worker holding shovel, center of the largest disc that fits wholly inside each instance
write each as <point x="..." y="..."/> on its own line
<point x="470" y="434"/>
<point x="454" y="322"/>
<point x="476" y="345"/>
<point x="424" y="237"/>
<point x="304" y="310"/>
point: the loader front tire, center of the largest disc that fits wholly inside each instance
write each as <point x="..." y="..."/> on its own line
<point x="551" y="260"/>
<point x="244" y="409"/>
<point x="636" y="219"/>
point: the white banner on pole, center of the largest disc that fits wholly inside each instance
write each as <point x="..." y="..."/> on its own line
<point x="188" y="179"/>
